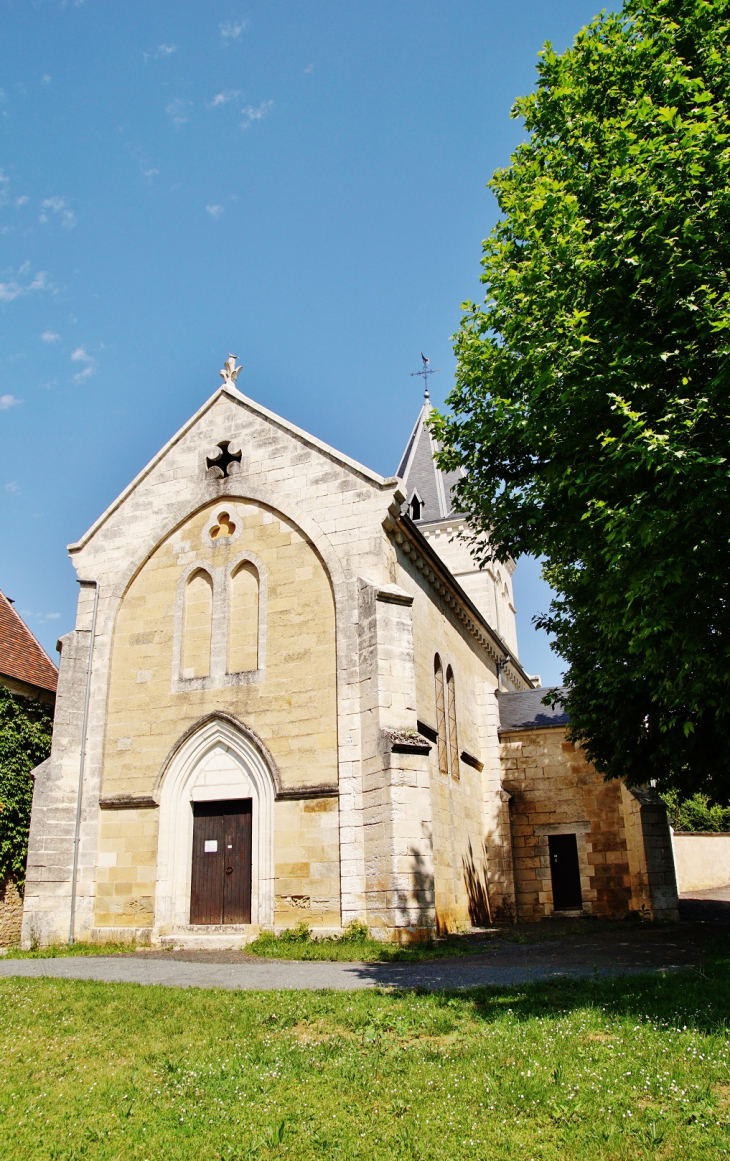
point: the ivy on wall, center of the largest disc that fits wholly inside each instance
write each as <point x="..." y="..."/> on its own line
<point x="25" y="741"/>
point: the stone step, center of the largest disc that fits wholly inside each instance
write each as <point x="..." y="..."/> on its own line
<point x="207" y="938"/>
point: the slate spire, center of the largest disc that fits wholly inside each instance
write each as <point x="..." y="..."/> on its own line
<point x="427" y="488"/>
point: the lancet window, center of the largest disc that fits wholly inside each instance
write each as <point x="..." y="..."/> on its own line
<point x="198" y="616"/>
<point x="243" y="619"/>
<point x="443" y="753"/>
<point x="220" y="623"/>
<point x="451" y="719"/>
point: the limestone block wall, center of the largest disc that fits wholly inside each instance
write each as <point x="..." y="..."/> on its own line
<point x="489" y="588"/>
<point x="11" y="914"/>
<point x="289" y="700"/>
<point x="556" y="791"/>
<point x="47" y="897"/>
<point x="307" y="863"/>
<point x="472" y="876"/>
<point x="395" y="813"/>
<point x="126" y="871"/>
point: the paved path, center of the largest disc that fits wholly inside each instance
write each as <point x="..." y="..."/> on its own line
<point x="289" y="974"/>
<point x="577" y="953"/>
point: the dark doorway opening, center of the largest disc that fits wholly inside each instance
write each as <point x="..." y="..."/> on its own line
<point x="221" y="878"/>
<point x="565" y="872"/>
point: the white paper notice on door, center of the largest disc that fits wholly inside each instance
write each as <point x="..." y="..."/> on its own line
<point x="211" y="846"/>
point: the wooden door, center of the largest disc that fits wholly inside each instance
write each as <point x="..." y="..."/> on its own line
<point x="565" y="872"/>
<point x="221" y="875"/>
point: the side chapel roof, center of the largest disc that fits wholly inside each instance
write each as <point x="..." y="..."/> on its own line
<point x="421" y="476"/>
<point x="21" y="656"/>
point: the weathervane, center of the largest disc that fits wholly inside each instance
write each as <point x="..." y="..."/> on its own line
<point x="424" y="373"/>
<point x="230" y="371"/>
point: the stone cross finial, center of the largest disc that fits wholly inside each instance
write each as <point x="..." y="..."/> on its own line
<point x="230" y="371"/>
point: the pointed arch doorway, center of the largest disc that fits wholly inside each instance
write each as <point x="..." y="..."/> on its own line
<point x="215" y="846"/>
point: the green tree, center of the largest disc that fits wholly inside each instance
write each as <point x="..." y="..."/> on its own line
<point x="696" y="813"/>
<point x="591" y="408"/>
<point x="25" y="741"/>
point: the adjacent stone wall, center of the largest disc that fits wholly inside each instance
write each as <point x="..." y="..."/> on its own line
<point x="11" y="914"/>
<point x="702" y="860"/>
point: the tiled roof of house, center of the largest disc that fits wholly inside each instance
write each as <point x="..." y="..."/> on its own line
<point x="524" y="711"/>
<point x="21" y="656"/>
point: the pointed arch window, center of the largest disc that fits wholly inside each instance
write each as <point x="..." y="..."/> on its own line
<point x="415" y="507"/>
<point x="197" y="625"/>
<point x="243" y="619"/>
<point x="451" y="721"/>
<point x="443" y="754"/>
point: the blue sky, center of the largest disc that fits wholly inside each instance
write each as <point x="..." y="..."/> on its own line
<point x="303" y="183"/>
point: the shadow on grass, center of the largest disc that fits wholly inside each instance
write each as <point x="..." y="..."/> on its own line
<point x="695" y="999"/>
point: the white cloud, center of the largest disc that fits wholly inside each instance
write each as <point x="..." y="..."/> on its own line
<point x="22" y="200"/>
<point x="46" y="79"/>
<point x="59" y="206"/>
<point x="231" y="30"/>
<point x="177" y="110"/>
<point x="52" y="616"/>
<point x="224" y="97"/>
<point x="11" y="486"/>
<point x="214" y="211"/>
<point x="8" y="401"/>
<point x="146" y="168"/>
<point x="160" y="52"/>
<point x="16" y="288"/>
<point x="309" y="69"/>
<point x="255" y="113"/>
<point x="49" y="337"/>
<point x="81" y="356"/>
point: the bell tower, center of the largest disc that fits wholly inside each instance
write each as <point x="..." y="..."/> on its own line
<point x="430" y="506"/>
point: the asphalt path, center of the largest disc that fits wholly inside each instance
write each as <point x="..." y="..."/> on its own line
<point x="502" y="962"/>
<point x="268" y="975"/>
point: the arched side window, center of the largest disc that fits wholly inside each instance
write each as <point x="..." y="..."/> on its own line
<point x="451" y="715"/>
<point x="243" y="619"/>
<point x="197" y="625"/>
<point x="438" y="674"/>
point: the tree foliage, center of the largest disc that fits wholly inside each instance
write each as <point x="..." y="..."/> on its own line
<point x="25" y="741"/>
<point x="591" y="408"/>
<point x="696" y="813"/>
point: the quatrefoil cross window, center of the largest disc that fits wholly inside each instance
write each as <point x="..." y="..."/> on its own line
<point x="224" y="460"/>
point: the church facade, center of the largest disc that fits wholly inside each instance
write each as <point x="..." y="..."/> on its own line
<point x="281" y="702"/>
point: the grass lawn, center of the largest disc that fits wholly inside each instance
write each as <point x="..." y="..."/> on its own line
<point x="636" y="1067"/>
<point x="356" y="945"/>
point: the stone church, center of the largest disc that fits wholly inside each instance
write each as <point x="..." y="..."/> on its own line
<point x="291" y="695"/>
